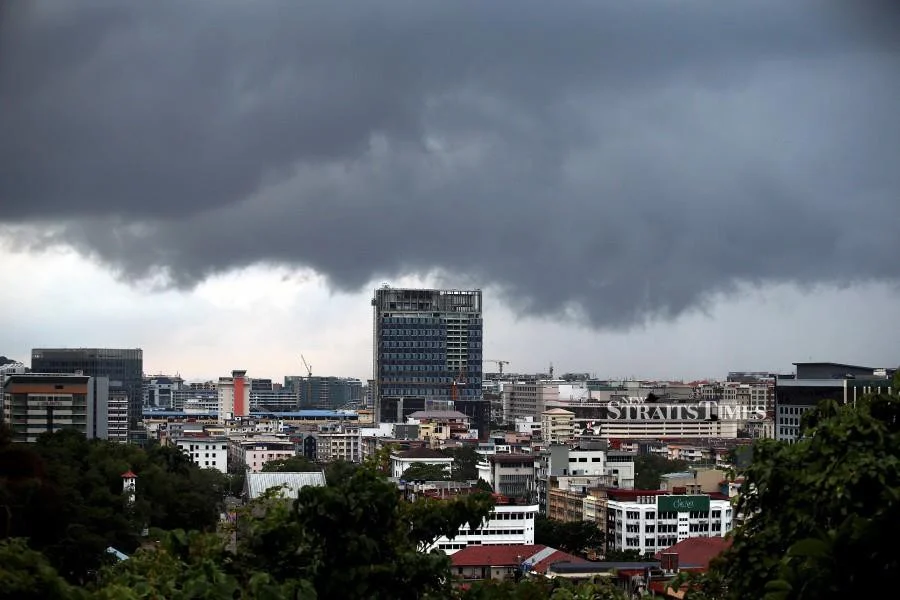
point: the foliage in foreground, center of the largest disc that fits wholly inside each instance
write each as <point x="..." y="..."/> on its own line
<point x="822" y="511"/>
<point x="64" y="495"/>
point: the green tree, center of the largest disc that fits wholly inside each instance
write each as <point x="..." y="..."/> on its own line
<point x="294" y="464"/>
<point x="27" y="575"/>
<point x="649" y="469"/>
<point x="821" y="512"/>
<point x="581" y="538"/>
<point x="352" y="539"/>
<point x="465" y="463"/>
<point x="426" y="472"/>
<point x="64" y="494"/>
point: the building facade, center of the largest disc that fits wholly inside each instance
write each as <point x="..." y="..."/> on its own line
<point x="527" y="399"/>
<point x="206" y="452"/>
<point x="506" y="524"/>
<point x="650" y="521"/>
<point x="233" y="394"/>
<point x="124" y="367"/>
<point x="815" y="382"/>
<point x="427" y="345"/>
<point x="37" y="403"/>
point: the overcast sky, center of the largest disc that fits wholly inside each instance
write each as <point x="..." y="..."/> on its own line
<point x="646" y="188"/>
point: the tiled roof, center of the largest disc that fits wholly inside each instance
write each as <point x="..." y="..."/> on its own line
<point x="538" y="557"/>
<point x="258" y="483"/>
<point x="697" y="552"/>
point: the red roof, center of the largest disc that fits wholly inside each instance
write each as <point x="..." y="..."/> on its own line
<point x="695" y="553"/>
<point x="128" y="475"/>
<point x="511" y="555"/>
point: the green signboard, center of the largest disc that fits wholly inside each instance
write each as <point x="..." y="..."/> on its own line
<point x="682" y="503"/>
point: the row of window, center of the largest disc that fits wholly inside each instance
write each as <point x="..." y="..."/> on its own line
<point x="424" y="357"/>
<point x="421" y="321"/>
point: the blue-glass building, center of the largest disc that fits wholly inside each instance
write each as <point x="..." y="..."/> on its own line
<point x="426" y="342"/>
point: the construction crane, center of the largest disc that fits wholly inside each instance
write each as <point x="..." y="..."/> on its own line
<point x="499" y="363"/>
<point x="308" y="380"/>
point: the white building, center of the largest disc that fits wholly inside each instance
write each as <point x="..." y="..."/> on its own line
<point x="233" y="395"/>
<point x="401" y="461"/>
<point x="528" y="426"/>
<point x="206" y="452"/>
<point x="117" y="411"/>
<point x="650" y="521"/>
<point x="507" y="524"/>
<point x="287" y="484"/>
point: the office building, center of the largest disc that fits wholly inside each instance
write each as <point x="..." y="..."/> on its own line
<point x="124" y="367"/>
<point x="649" y="521"/>
<point x="325" y="392"/>
<point x="814" y="382"/>
<point x="159" y="390"/>
<point x="427" y="350"/>
<point x="233" y="394"/>
<point x="37" y="403"/>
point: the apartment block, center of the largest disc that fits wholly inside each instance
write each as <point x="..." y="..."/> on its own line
<point x="338" y="442"/>
<point x="557" y="426"/>
<point x="37" y="403"/>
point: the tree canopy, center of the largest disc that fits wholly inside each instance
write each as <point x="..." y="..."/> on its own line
<point x="822" y="512"/>
<point x="581" y="538"/>
<point x="426" y="472"/>
<point x="293" y="464"/>
<point x="64" y="495"/>
<point x="649" y="469"/>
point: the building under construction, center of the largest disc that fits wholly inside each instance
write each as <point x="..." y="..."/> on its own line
<point x="427" y="351"/>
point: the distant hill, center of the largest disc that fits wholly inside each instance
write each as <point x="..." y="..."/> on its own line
<point x="6" y="361"/>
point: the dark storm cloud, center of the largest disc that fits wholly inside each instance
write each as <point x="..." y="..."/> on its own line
<point x="623" y="158"/>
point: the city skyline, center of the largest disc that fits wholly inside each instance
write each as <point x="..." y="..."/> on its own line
<point x="191" y="341"/>
<point x="652" y="189"/>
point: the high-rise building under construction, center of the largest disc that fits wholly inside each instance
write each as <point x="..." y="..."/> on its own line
<point x="427" y="351"/>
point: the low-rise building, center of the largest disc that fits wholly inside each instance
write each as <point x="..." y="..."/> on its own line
<point x="507" y="524"/>
<point x="288" y="485"/>
<point x="505" y="562"/>
<point x="695" y="481"/>
<point x="256" y="451"/>
<point x="511" y="475"/>
<point x="206" y="452"/>
<point x="647" y="520"/>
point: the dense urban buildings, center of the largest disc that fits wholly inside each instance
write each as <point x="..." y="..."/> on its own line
<point x="797" y="394"/>
<point x="123" y="367"/>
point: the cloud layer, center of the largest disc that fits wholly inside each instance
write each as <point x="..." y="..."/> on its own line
<point x="616" y="160"/>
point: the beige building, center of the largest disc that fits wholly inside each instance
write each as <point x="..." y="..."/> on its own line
<point x="527" y="399"/>
<point x="338" y="442"/>
<point x="695" y="481"/>
<point x="557" y="426"/>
